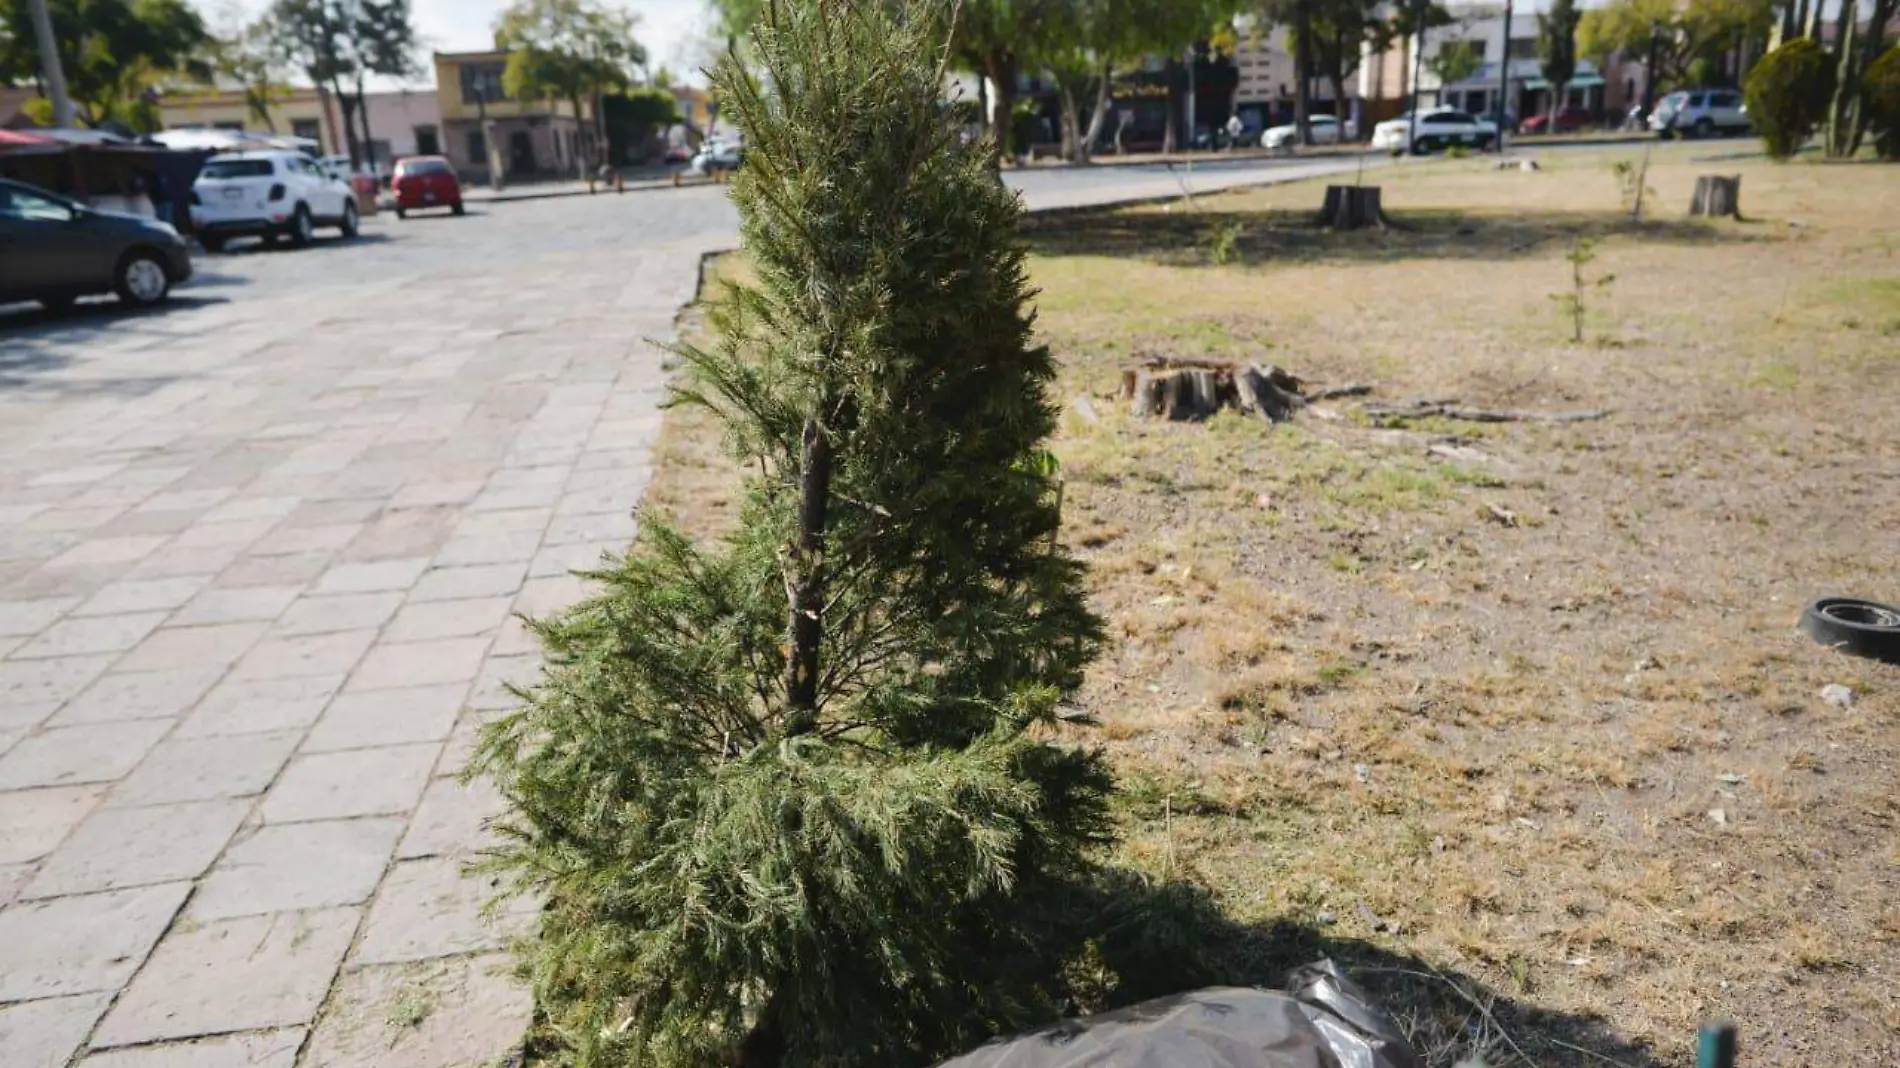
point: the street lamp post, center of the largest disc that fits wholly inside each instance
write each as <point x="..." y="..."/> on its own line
<point x="1504" y="78"/>
<point x="49" y="63"/>
<point x="1418" y="65"/>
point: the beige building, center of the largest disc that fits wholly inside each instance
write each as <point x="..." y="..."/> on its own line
<point x="483" y="128"/>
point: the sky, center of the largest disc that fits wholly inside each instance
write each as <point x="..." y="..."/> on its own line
<point x="670" y="29"/>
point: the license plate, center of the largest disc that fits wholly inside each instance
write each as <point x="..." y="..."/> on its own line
<point x="429" y="197"/>
<point x="233" y="194"/>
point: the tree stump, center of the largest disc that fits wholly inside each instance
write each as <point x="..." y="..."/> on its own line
<point x="1267" y="392"/>
<point x="1352" y="207"/>
<point x="1717" y="195"/>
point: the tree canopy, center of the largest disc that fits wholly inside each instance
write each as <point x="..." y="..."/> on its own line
<point x="1680" y="33"/>
<point x="115" y="53"/>
<point x="1557" y="47"/>
<point x="567" y="49"/>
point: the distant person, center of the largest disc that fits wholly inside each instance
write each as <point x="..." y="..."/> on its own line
<point x="1234" y="127"/>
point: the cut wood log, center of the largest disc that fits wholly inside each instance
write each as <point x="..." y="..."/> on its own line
<point x="1351" y="389"/>
<point x="1258" y="393"/>
<point x="1149" y="394"/>
<point x="1717" y="195"/>
<point x="1353" y="207"/>
<point x="1480" y="415"/>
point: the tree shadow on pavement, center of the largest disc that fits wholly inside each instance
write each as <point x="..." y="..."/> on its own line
<point x="37" y="345"/>
<point x="1188" y="238"/>
<point x="1151" y="939"/>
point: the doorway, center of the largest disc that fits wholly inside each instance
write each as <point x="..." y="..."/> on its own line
<point x="520" y="153"/>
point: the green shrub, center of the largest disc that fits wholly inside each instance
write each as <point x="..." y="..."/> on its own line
<point x="1881" y="83"/>
<point x="1025" y="126"/>
<point x="1788" y="93"/>
<point x="787" y="796"/>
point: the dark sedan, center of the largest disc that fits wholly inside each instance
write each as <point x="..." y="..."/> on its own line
<point x="55" y="251"/>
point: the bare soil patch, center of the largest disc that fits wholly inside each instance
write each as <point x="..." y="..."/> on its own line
<point x="1519" y="707"/>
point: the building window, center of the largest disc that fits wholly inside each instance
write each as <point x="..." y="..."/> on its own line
<point x="482" y="81"/>
<point x="477" y="148"/>
<point x="1524" y="48"/>
<point x="309" y="128"/>
<point x="427" y="143"/>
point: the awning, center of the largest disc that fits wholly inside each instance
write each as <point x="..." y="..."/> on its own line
<point x="1581" y="81"/>
<point x="10" y="138"/>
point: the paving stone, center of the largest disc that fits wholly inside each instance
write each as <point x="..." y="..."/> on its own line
<point x="541" y="597"/>
<point x="118" y="848"/>
<point x="253" y="508"/>
<point x="22" y="718"/>
<point x="108" y="551"/>
<point x="238" y="975"/>
<point x="203" y="769"/>
<point x="28" y="682"/>
<point x="187" y="561"/>
<point x="452" y="820"/>
<point x="432" y="908"/>
<point x="376" y="718"/>
<point x="25" y="618"/>
<point x="459" y="750"/>
<point x="491" y="692"/>
<point x="269" y="1049"/>
<point x="448" y="619"/>
<point x="34" y="822"/>
<point x="463" y="1011"/>
<point x="577" y="556"/>
<point x="244" y="706"/>
<point x="76" y="945"/>
<point x="139" y="695"/>
<point x="241" y="533"/>
<point x="284" y="867"/>
<point x="66" y="756"/>
<point x="185" y="500"/>
<point x="431" y="493"/>
<point x="170" y="647"/>
<point x="509" y="521"/>
<point x="459" y="583"/>
<point x="445" y="660"/>
<point x="507" y="547"/>
<point x="349" y="611"/>
<point x="297" y="569"/>
<point x="314" y="654"/>
<point x="294" y="540"/>
<point x="143" y="595"/>
<point x="45" y="1034"/>
<point x="92" y="634"/>
<point x="358" y="782"/>
<point x="613" y="527"/>
<point x="245" y="604"/>
<point x="330" y="513"/>
<point x="372" y="577"/>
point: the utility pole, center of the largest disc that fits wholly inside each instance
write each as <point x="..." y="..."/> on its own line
<point x="1190" y="98"/>
<point x="49" y="63"/>
<point x="1418" y="65"/>
<point x="1504" y="78"/>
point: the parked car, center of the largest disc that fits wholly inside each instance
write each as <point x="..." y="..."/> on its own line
<point x="338" y="167"/>
<point x="55" y="251"/>
<point x="1700" y="113"/>
<point x="1326" y="130"/>
<point x="679" y="154"/>
<point x="1569" y="120"/>
<point x="714" y="156"/>
<point x="1437" y="128"/>
<point x="269" y="194"/>
<point x="426" y="182"/>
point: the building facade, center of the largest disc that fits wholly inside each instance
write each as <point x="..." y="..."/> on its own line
<point x="1509" y="75"/>
<point x="403" y="122"/>
<point x="487" y="134"/>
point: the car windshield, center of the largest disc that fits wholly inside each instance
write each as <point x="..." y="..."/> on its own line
<point x="423" y="166"/>
<point x="237" y="168"/>
<point x="1674" y="100"/>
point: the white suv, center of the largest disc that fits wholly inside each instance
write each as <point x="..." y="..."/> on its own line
<point x="1700" y="113"/>
<point x="1436" y="128"/>
<point x="268" y="194"/>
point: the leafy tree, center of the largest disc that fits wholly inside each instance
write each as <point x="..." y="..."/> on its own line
<point x="1455" y="61"/>
<point x="788" y="795"/>
<point x="1557" y="47"/>
<point x="1677" y="34"/>
<point x="116" y="53"/>
<point x="1787" y="95"/>
<point x="242" y="56"/>
<point x="572" y="50"/>
<point x="338" y="44"/>
<point x="1087" y="43"/>
<point x="1855" y="49"/>
<point x="1881" y="82"/>
<point x="631" y="119"/>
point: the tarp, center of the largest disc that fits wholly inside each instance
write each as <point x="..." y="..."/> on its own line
<point x="20" y="137"/>
<point x="1324" y="1020"/>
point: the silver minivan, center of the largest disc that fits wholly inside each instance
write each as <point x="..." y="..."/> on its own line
<point x="1700" y="113"/>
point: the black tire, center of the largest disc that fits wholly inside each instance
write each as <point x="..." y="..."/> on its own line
<point x="58" y="305"/>
<point x="401" y="213"/>
<point x="302" y="229"/>
<point x="350" y="224"/>
<point x="1704" y="128"/>
<point x="1856" y="627"/>
<point x="458" y="209"/>
<point x="141" y="279"/>
<point x="211" y="242"/>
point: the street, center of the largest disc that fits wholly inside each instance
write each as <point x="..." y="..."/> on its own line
<point x="260" y="552"/>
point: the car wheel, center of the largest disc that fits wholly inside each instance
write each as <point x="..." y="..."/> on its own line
<point x="1704" y="129"/>
<point x="58" y="304"/>
<point x="401" y="212"/>
<point x="302" y="230"/>
<point x="1861" y="628"/>
<point x="458" y="209"/>
<point x="211" y="242"/>
<point x="142" y="279"/>
<point x="350" y="224"/>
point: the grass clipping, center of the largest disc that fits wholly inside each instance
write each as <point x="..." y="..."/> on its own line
<point x="789" y="796"/>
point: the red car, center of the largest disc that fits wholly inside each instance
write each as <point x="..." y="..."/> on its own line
<point x="425" y="182"/>
<point x="1569" y="120"/>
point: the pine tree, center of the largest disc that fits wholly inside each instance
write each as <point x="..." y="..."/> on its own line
<point x="789" y="797"/>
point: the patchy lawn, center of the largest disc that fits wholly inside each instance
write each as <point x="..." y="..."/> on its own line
<point x="1517" y="707"/>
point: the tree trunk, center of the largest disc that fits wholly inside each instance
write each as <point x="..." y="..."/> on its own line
<point x="1071" y="124"/>
<point x="1717" y="195"/>
<point x="1098" y="119"/>
<point x="369" y="138"/>
<point x="1841" y="112"/>
<point x="1170" y="138"/>
<point x="1302" y="71"/>
<point x="1000" y="68"/>
<point x="1872" y="45"/>
<point x="324" y="100"/>
<point x="1340" y="111"/>
<point x="808" y="581"/>
<point x="346" y="104"/>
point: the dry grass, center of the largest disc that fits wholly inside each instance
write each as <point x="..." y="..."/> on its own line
<point x="1344" y="696"/>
